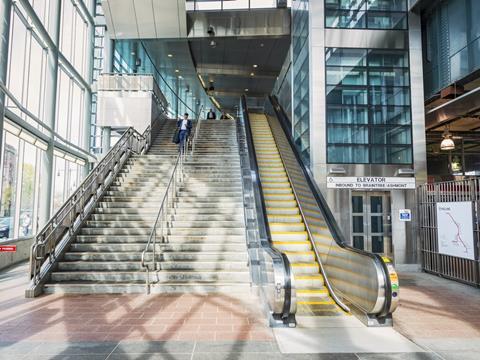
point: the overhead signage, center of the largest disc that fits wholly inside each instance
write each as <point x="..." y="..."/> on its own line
<point x="370" y="182"/>
<point x="455" y="229"/>
<point x="405" y="215"/>
<point x="8" y="248"/>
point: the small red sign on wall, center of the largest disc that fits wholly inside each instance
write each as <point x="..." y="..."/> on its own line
<point x="8" y="248"/>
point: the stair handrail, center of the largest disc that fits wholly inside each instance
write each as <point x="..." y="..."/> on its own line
<point x="161" y="219"/>
<point x="55" y="236"/>
<point x="287" y="313"/>
<point x="383" y="267"/>
<point x="193" y="141"/>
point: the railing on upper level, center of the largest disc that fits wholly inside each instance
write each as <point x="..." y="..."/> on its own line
<point x="51" y="242"/>
<point x="198" y="5"/>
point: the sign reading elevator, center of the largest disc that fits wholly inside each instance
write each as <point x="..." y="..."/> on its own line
<point x="370" y="182"/>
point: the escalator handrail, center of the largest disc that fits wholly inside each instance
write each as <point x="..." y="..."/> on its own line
<point x="261" y="210"/>
<point x="322" y="204"/>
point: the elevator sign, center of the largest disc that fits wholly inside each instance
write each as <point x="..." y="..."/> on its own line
<point x="370" y="183"/>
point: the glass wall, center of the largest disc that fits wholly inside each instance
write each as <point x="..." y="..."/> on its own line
<point x="231" y="4"/>
<point x="31" y="81"/>
<point x="301" y="101"/>
<point x="451" y="43"/>
<point x="368" y="106"/>
<point x="372" y="14"/>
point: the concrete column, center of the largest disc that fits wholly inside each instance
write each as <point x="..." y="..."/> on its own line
<point x="5" y="13"/>
<point x="106" y="139"/>
<point x="50" y="107"/>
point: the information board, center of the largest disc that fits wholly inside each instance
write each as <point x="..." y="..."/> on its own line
<point x="370" y="182"/>
<point x="455" y="229"/>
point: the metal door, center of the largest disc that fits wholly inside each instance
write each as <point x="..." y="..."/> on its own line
<point x="371" y="222"/>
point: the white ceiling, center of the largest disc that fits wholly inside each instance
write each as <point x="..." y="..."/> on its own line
<point x="146" y="19"/>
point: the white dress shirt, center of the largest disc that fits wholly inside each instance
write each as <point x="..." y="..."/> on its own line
<point x="184" y="125"/>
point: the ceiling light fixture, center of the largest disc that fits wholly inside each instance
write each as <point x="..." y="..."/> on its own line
<point x="170" y="55"/>
<point x="447" y="142"/>
<point x="246" y="90"/>
<point x="255" y="65"/>
<point x="252" y="74"/>
<point x="177" y="71"/>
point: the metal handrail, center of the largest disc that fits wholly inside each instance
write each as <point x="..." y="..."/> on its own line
<point x="197" y="130"/>
<point x="52" y="240"/>
<point x="162" y="214"/>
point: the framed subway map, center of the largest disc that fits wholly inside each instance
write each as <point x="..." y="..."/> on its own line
<point x="455" y="229"/>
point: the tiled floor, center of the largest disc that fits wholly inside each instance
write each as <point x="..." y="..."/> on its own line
<point x="441" y="316"/>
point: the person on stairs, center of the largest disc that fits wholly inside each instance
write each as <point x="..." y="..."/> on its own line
<point x="224" y="116"/>
<point x="184" y="126"/>
<point x="211" y="115"/>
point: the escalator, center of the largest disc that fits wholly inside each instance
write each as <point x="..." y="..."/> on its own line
<point x="330" y="278"/>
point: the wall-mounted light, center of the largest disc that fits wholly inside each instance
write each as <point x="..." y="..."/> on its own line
<point x="447" y="141"/>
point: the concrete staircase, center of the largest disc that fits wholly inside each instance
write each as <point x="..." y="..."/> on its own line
<point x="204" y="250"/>
<point x="287" y="228"/>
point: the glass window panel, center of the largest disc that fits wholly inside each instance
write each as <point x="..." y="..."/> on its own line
<point x="347" y="134"/>
<point x="260" y="4"/>
<point x="388" y="77"/>
<point x="59" y="183"/>
<point x="357" y="204"/>
<point x="346" y="95"/>
<point x="8" y="204"/>
<point x="389" y="96"/>
<point x="358" y="242"/>
<point x="397" y="135"/>
<point x="346" y="76"/>
<point x="18" y="44"/>
<point x="457" y="25"/>
<point x="63" y="97"/>
<point x="338" y="154"/>
<point x="376" y="204"/>
<point x="377" y="244"/>
<point x="235" y="4"/>
<point x="76" y="121"/>
<point x="34" y="87"/>
<point x="27" y="201"/>
<point x="387" y="58"/>
<point x="66" y="33"/>
<point x="357" y="224"/>
<point x="345" y="19"/>
<point x="347" y="114"/>
<point x="391" y="154"/>
<point x="346" y="57"/>
<point x="376" y="224"/>
<point x="390" y="115"/>
<point x="210" y="5"/>
<point x="386" y="20"/>
<point x="387" y="5"/>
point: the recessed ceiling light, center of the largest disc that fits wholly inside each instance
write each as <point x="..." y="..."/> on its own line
<point x="262" y="45"/>
<point x="170" y="55"/>
<point x="176" y="70"/>
<point x="246" y="90"/>
<point x="252" y="74"/>
<point x="255" y="65"/>
<point x="180" y="77"/>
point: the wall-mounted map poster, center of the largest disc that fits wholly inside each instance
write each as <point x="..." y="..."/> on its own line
<point x="455" y="229"/>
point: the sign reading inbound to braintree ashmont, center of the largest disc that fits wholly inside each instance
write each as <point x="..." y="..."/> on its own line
<point x="455" y="229"/>
<point x="370" y="182"/>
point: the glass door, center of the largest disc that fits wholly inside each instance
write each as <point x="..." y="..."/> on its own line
<point x="371" y="222"/>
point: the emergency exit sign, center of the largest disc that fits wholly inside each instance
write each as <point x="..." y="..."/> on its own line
<point x="8" y="248"/>
<point x="370" y="182"/>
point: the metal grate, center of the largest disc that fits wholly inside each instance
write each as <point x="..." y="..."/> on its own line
<point x="456" y="268"/>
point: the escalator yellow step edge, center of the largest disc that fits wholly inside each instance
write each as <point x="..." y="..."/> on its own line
<point x="301" y="242"/>
<point x="326" y="302"/>
<point x="289" y="233"/>
<point x="311" y="291"/>
<point x="279" y="201"/>
<point x="313" y="264"/>
<point x="287" y="252"/>
<point x="286" y="209"/>
<point x="308" y="277"/>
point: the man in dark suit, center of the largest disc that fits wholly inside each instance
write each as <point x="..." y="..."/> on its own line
<point x="184" y="127"/>
<point x="211" y="115"/>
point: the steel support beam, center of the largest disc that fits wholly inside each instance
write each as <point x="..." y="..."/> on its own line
<point x="5" y="13"/>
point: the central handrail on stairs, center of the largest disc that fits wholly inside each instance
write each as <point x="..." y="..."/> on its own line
<point x="52" y="241"/>
<point x="193" y="142"/>
<point x="162" y="216"/>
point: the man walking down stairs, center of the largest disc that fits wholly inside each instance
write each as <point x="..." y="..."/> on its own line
<point x="204" y="247"/>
